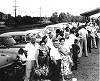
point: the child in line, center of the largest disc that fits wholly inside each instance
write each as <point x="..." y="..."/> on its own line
<point x="75" y="52"/>
<point x="22" y="56"/>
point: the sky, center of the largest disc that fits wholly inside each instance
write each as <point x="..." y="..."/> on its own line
<point x="46" y="7"/>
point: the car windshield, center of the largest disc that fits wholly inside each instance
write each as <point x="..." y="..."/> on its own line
<point x="5" y="41"/>
<point x="21" y="38"/>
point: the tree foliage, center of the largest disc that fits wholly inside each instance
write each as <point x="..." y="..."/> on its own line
<point x="54" y="18"/>
<point x="66" y="17"/>
<point x="20" y="21"/>
<point x="62" y="17"/>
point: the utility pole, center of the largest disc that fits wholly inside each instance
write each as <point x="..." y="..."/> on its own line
<point x="40" y="14"/>
<point x="45" y="18"/>
<point x="15" y="9"/>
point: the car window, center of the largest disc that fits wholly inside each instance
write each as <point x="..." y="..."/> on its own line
<point x="1" y="42"/>
<point x="7" y="41"/>
<point x="20" y="38"/>
<point x="27" y="38"/>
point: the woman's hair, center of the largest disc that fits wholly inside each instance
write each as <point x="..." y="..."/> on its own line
<point x="58" y="31"/>
<point x="61" y="39"/>
<point x="43" y="39"/>
<point x="42" y="42"/>
<point x="76" y="40"/>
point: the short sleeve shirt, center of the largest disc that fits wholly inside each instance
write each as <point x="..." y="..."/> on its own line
<point x="83" y="32"/>
<point x="31" y="50"/>
<point x="55" y="53"/>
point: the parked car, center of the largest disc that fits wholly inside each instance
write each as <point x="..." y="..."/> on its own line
<point x="8" y="49"/>
<point x="9" y="63"/>
<point x="54" y="27"/>
<point x="11" y="42"/>
<point x="23" y="36"/>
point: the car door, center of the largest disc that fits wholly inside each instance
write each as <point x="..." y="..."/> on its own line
<point x="5" y="53"/>
<point x="6" y="56"/>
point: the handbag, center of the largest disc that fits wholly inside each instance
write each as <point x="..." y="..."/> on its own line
<point x="42" y="71"/>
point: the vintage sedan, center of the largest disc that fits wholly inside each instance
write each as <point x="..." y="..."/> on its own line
<point x="7" y="54"/>
<point x="9" y="63"/>
<point x="54" y="27"/>
<point x="23" y="36"/>
<point x="11" y="42"/>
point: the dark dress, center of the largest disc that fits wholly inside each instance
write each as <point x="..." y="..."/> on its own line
<point x="43" y="71"/>
<point x="43" y="59"/>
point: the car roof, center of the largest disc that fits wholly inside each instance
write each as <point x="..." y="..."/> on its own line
<point x="34" y="31"/>
<point x="22" y="32"/>
<point x="59" y="25"/>
<point x="4" y="36"/>
<point x="14" y="33"/>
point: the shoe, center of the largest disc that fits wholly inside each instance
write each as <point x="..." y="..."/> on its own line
<point x="73" y="68"/>
<point x="96" y="48"/>
<point x="67" y="77"/>
<point x="89" y="51"/>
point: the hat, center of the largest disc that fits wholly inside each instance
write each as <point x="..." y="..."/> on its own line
<point x="31" y="35"/>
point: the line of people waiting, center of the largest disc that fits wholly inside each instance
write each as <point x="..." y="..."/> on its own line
<point x="56" y="55"/>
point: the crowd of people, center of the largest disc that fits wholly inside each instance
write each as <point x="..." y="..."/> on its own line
<point x="57" y="54"/>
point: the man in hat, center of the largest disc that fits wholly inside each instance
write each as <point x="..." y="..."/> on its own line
<point x="30" y="48"/>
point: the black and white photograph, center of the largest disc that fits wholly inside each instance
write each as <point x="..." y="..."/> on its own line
<point x="49" y="40"/>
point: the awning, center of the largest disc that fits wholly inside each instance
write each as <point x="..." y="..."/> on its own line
<point x="92" y="12"/>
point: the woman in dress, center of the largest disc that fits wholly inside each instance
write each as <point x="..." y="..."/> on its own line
<point x="42" y="59"/>
<point x="66" y="59"/>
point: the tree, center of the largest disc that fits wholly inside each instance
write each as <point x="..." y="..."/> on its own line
<point x="36" y="20"/>
<point x="54" y="18"/>
<point x="10" y="21"/>
<point x="27" y="20"/>
<point x="18" y="20"/>
<point x="69" y="17"/>
<point x="62" y="17"/>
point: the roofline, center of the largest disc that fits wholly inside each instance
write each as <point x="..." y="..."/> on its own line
<point x="89" y="13"/>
